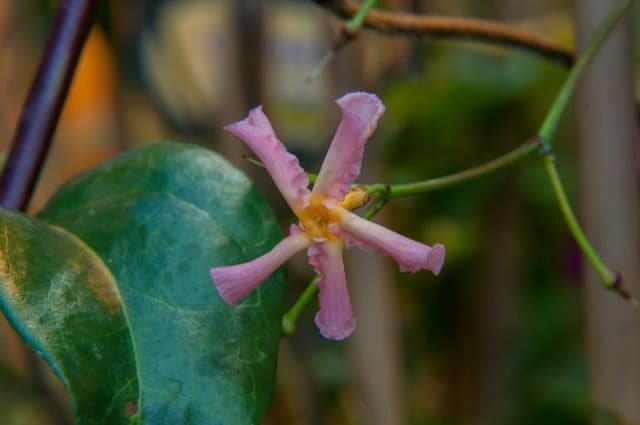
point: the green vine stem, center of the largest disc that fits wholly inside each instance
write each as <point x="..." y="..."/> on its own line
<point x="409" y="189"/>
<point x="355" y="23"/>
<point x="547" y="132"/>
<point x="608" y="278"/>
<point x="376" y="205"/>
<point x="290" y="318"/>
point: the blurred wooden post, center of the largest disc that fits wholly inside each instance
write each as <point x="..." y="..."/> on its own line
<point x="609" y="209"/>
<point x="375" y="347"/>
<point x="249" y="34"/>
<point x="494" y="314"/>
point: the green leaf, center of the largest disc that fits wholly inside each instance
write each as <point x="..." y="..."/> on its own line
<point x="64" y="302"/>
<point x="161" y="216"/>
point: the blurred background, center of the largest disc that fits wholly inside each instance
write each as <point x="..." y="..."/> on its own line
<point x="497" y="338"/>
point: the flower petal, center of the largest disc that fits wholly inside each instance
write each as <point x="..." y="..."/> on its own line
<point x="235" y="282"/>
<point x="257" y="133"/>
<point x="410" y="255"/>
<point x="335" y="317"/>
<point x="341" y="166"/>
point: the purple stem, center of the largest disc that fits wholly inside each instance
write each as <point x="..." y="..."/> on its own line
<point x="44" y="103"/>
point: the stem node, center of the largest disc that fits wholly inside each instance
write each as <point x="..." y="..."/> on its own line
<point x="618" y="287"/>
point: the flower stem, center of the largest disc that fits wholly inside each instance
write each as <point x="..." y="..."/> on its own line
<point x="375" y="206"/>
<point x="608" y="277"/>
<point x="291" y="317"/>
<point x="356" y="22"/>
<point x="408" y="189"/>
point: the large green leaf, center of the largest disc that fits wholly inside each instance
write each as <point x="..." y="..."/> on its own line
<point x="64" y="302"/>
<point x="160" y="217"/>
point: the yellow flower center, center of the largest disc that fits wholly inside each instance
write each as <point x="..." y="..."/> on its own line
<point x="318" y="221"/>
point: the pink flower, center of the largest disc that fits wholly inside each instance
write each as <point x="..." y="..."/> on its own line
<point x="325" y="222"/>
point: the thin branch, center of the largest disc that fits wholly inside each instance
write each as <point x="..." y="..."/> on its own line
<point x="410" y="189"/>
<point x="441" y="26"/>
<point x="290" y="318"/>
<point x="607" y="277"/>
<point x="44" y="103"/>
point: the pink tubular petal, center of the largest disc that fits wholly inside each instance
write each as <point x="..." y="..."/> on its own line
<point x="235" y="282"/>
<point x="335" y="317"/>
<point x="257" y="133"/>
<point x="410" y="255"/>
<point x="341" y="166"/>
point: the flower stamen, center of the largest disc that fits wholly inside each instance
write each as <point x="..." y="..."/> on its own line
<point x="319" y="222"/>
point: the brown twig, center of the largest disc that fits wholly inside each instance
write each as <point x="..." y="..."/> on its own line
<point x="44" y="103"/>
<point x="441" y="26"/>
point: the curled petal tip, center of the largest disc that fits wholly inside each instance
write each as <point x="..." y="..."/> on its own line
<point x="435" y="259"/>
<point x="227" y="287"/>
<point x="256" y="120"/>
<point x="367" y="106"/>
<point x="336" y="331"/>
